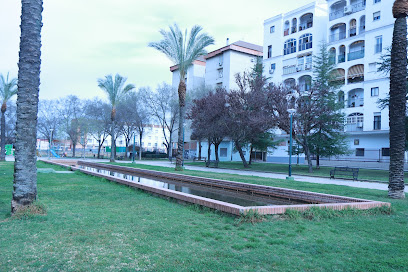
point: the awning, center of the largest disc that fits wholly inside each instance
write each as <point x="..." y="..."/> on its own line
<point x="339" y="74"/>
<point x="356" y="71"/>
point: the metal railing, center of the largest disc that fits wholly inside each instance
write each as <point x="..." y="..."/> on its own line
<point x="356" y="55"/>
<point x="305" y="25"/>
<point x="305" y="46"/>
<point x="289" y="69"/>
<point x="337" y="36"/>
<point x="341" y="58"/>
<point x="338" y="13"/>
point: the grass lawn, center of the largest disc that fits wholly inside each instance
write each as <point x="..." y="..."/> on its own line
<point x="363" y="174"/>
<point x="94" y="225"/>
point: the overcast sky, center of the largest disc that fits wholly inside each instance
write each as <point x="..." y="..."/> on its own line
<point x="86" y="40"/>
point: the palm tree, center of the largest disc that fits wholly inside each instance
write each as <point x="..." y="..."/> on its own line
<point x="7" y="90"/>
<point x="182" y="51"/>
<point x="398" y="85"/>
<point x="25" y="168"/>
<point x="116" y="90"/>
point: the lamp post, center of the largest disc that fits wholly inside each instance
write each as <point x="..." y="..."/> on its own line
<point x="291" y="112"/>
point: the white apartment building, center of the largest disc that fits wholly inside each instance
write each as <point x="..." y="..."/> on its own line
<point x="357" y="33"/>
<point x="218" y="69"/>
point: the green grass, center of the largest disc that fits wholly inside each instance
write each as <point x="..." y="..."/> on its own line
<point x="363" y="174"/>
<point x="95" y="225"/>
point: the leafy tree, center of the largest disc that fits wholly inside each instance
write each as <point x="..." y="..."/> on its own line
<point x="209" y="118"/>
<point x="49" y="119"/>
<point x="116" y="90"/>
<point x="397" y="104"/>
<point x="328" y="138"/>
<point x="8" y="88"/>
<point x="262" y="142"/>
<point x="25" y="166"/>
<point x="182" y="50"/>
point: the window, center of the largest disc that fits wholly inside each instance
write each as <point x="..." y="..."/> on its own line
<point x="273" y="66"/>
<point x="269" y="51"/>
<point x="289" y="47"/>
<point x="149" y="144"/>
<point x="305" y="42"/>
<point x="376" y="16"/>
<point x="378" y="44"/>
<point x="360" y="152"/>
<point x="375" y="91"/>
<point x="377" y="1"/>
<point x="385" y="151"/>
<point x="272" y="29"/>
<point x="223" y="152"/>
<point x="377" y="120"/>
<point x="220" y="73"/>
<point x="356" y="141"/>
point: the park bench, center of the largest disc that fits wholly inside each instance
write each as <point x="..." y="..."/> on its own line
<point x="199" y="159"/>
<point x="344" y="171"/>
<point x="211" y="162"/>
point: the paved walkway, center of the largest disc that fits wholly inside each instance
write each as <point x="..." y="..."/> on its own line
<point x="357" y="184"/>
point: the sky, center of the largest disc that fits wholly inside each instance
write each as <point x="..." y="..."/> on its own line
<point x="86" y="40"/>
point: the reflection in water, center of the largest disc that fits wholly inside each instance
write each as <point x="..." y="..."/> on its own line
<point x="238" y="198"/>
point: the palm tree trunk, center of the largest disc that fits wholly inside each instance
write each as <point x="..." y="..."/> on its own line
<point x="113" y="148"/>
<point x="397" y="108"/>
<point x="180" y="143"/>
<point x="25" y="168"/>
<point x="3" y="136"/>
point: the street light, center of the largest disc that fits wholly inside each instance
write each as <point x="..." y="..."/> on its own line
<point x="291" y="112"/>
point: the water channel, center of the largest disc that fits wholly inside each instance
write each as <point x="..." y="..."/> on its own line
<point x="225" y="195"/>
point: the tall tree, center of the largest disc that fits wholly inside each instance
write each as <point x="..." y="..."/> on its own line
<point x="49" y="119"/>
<point x="71" y="112"/>
<point x="164" y="108"/>
<point x="328" y="138"/>
<point x="397" y="107"/>
<point x="25" y="169"/>
<point x="182" y="50"/>
<point x="116" y="90"/>
<point x="8" y="88"/>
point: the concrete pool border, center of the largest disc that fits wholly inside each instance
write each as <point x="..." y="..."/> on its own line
<point x="330" y="201"/>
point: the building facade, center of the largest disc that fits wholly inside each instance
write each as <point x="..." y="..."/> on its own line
<point x="357" y="33"/>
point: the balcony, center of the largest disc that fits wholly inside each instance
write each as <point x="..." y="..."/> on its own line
<point x="305" y="46"/>
<point x="289" y="69"/>
<point x="352" y="32"/>
<point x="286" y="32"/>
<point x="305" y="25"/>
<point x="338" y="12"/>
<point x="337" y="36"/>
<point x="293" y="29"/>
<point x="362" y="29"/>
<point x="352" y="103"/>
<point x="341" y="58"/>
<point x="355" y="127"/>
<point x="332" y="59"/>
<point x="356" y="55"/>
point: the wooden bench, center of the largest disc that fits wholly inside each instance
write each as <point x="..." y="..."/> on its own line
<point x="344" y="171"/>
<point x="199" y="159"/>
<point x="213" y="162"/>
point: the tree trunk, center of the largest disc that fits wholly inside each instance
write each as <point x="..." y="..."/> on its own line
<point x="250" y="155"/>
<point x="207" y="163"/>
<point x="217" y="157"/>
<point x="113" y="147"/>
<point x="73" y="149"/>
<point x="180" y="142"/>
<point x="25" y="168"/>
<point x="307" y="154"/>
<point x="398" y="90"/>
<point x="170" y="151"/>
<point x="199" y="150"/>
<point x="317" y="160"/>
<point x="140" y="145"/>
<point x="99" y="149"/>
<point x="241" y="154"/>
<point x="3" y="135"/>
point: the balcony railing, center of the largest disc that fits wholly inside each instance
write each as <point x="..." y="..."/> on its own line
<point x="341" y="58"/>
<point x="289" y="50"/>
<point x="332" y="59"/>
<point x="305" y="25"/>
<point x="355" y="79"/>
<point x="293" y="29"/>
<point x="352" y="103"/>
<point x="362" y="29"/>
<point x="356" y="55"/>
<point x="355" y="127"/>
<point x="337" y="36"/>
<point x="289" y="69"/>
<point x="352" y="32"/>
<point x="338" y="13"/>
<point x="286" y="32"/>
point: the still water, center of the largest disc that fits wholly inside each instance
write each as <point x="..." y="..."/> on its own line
<point x="238" y="198"/>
